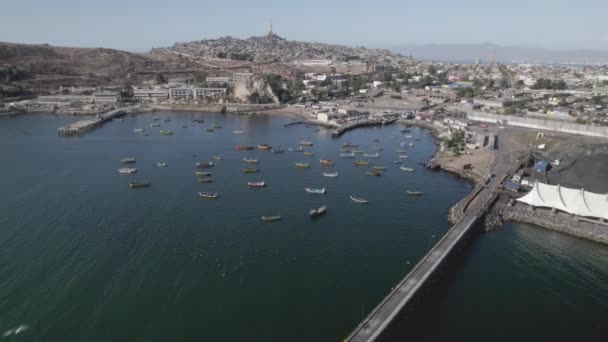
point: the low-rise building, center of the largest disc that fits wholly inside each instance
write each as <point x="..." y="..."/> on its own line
<point x="151" y="95"/>
<point x="180" y="93"/>
<point x="106" y="97"/>
<point x="218" y="79"/>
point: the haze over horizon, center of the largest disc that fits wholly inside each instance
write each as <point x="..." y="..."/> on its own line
<point x="141" y="25"/>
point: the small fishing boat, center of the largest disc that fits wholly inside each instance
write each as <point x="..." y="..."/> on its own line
<point x="217" y="158"/>
<point x="347" y="155"/>
<point x="128" y="160"/>
<point x="403" y="156"/>
<point x="309" y="154"/>
<point x="202" y="174"/>
<point x="374" y="155"/>
<point x="250" y="161"/>
<point x="156" y="118"/>
<point x="317" y="212"/>
<point x="380" y="168"/>
<point x="417" y="139"/>
<point x="409" y="136"/>
<point x="408" y="169"/>
<point x="161" y="164"/>
<point x="135" y="185"/>
<point x="203" y="165"/>
<point x="278" y="150"/>
<point x="345" y="150"/>
<point x="315" y="191"/>
<point x="397" y="162"/>
<point x="403" y="144"/>
<point x="349" y="145"/>
<point x="251" y="170"/>
<point x="239" y="147"/>
<point x="303" y="165"/>
<point x="216" y="127"/>
<point x="400" y="151"/>
<point x="411" y="144"/>
<point x="154" y="125"/>
<point x="256" y="184"/>
<point x="209" y="195"/>
<point x="326" y="162"/>
<point x="414" y="193"/>
<point x="264" y="147"/>
<point x="271" y="218"/>
<point x="361" y="163"/>
<point x="209" y="130"/>
<point x="317" y="130"/>
<point x="405" y="130"/>
<point x="166" y="119"/>
<point x="127" y="170"/>
<point x="238" y="132"/>
<point x="300" y="149"/>
<point x="205" y="180"/>
<point x="373" y="173"/>
<point x="358" y="199"/>
<point x="166" y="132"/>
<point x="357" y="151"/>
<point x="198" y="120"/>
<point x="330" y="174"/>
<point x="376" y="139"/>
<point x="305" y="143"/>
<point x="138" y="130"/>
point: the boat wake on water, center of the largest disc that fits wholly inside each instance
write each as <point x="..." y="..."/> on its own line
<point x="16" y="331"/>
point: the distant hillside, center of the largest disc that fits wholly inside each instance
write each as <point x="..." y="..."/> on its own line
<point x="505" y="54"/>
<point x="270" y="48"/>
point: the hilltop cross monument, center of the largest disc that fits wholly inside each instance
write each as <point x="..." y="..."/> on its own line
<point x="270" y="33"/>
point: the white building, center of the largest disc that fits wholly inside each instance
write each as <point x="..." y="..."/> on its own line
<point x="152" y="95"/>
<point x="218" y="79"/>
<point x="238" y="76"/>
<point x="180" y="93"/>
<point x="106" y="97"/>
<point x="320" y="62"/>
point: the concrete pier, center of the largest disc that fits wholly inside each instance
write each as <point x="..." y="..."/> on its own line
<point x="85" y="126"/>
<point x="368" y="123"/>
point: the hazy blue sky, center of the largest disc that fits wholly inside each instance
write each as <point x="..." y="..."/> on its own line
<point x="138" y="25"/>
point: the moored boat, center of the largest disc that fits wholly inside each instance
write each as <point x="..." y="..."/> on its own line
<point x="156" y="118"/>
<point x="403" y="156"/>
<point x="330" y="174"/>
<point x="347" y="155"/>
<point x="305" y="143"/>
<point x="408" y="169"/>
<point x="349" y="145"/>
<point x="400" y="151"/>
<point x="250" y="161"/>
<point x="202" y="174"/>
<point x="205" y="180"/>
<point x="239" y="147"/>
<point x="377" y="148"/>
<point x="161" y="164"/>
<point x="154" y="125"/>
<point x="238" y="132"/>
<point x="373" y="155"/>
<point x="321" y="191"/>
<point x="414" y="193"/>
<point x="256" y="184"/>
<point x="136" y="185"/>
<point x="128" y="160"/>
<point x="357" y="151"/>
<point x="166" y="132"/>
<point x="300" y="149"/>
<point x="278" y="150"/>
<point x="138" y="130"/>
<point x="127" y="170"/>
<point x="246" y="170"/>
<point x="303" y="165"/>
<point x="361" y="163"/>
<point x="397" y="162"/>
<point x="380" y="168"/>
<point x="249" y="148"/>
<point x="373" y="173"/>
<point x="358" y="199"/>
<point x="209" y="195"/>
<point x="209" y="130"/>
<point x="309" y="154"/>
<point x="203" y="165"/>
<point x="317" y="212"/>
<point x="264" y="147"/>
<point x="216" y="127"/>
<point x="271" y="218"/>
<point x="326" y="162"/>
<point x="217" y="158"/>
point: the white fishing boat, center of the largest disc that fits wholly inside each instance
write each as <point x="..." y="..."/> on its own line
<point x="127" y="170"/>
<point x="403" y="156"/>
<point x="358" y="199"/>
<point x="161" y="164"/>
<point x="238" y="132"/>
<point x="138" y="130"/>
<point x="317" y="212"/>
<point x="330" y="174"/>
<point x="372" y="155"/>
<point x="408" y="169"/>
<point x="347" y="155"/>
<point x="315" y="191"/>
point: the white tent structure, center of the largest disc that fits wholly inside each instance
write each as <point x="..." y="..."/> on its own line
<point x="573" y="201"/>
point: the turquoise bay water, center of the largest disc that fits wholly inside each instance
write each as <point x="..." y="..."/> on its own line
<point x="85" y="258"/>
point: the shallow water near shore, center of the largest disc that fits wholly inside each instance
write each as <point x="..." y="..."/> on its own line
<point x="85" y="258"/>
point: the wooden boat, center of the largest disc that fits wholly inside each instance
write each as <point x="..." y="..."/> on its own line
<point x="303" y="165"/>
<point x="250" y="161"/>
<point x="349" y="145"/>
<point x="316" y="191"/>
<point x="154" y="125"/>
<point x="239" y="147"/>
<point x="414" y="193"/>
<point x="357" y="151"/>
<point x="361" y="163"/>
<point x="317" y="212"/>
<point x="165" y="132"/>
<point x="205" y="180"/>
<point x="209" y="195"/>
<point x="358" y="199"/>
<point x="128" y="160"/>
<point x="156" y="118"/>
<point x="271" y="218"/>
<point x="300" y="149"/>
<point x="397" y="162"/>
<point x="251" y="170"/>
<point x="264" y="147"/>
<point x="400" y="151"/>
<point x="326" y="162"/>
<point x="347" y="155"/>
<point x="278" y="150"/>
<point x="202" y="174"/>
<point x="217" y="158"/>
<point x="408" y="169"/>
<point x="330" y="174"/>
<point x="238" y="132"/>
<point x="380" y="168"/>
<point x="309" y="154"/>
<point x="161" y="164"/>
<point x="256" y="184"/>
<point x="374" y="155"/>
<point x="204" y="165"/>
<point x="127" y="170"/>
<point x="136" y="185"/>
<point x="305" y="143"/>
<point x="373" y="173"/>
